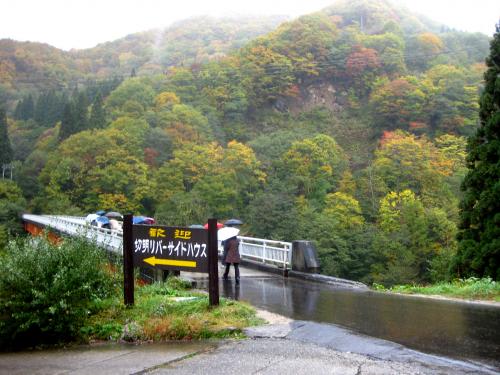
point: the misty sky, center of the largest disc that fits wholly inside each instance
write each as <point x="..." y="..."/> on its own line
<point x="70" y="24"/>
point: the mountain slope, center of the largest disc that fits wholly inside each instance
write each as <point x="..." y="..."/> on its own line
<point x="346" y="127"/>
<point x="27" y="66"/>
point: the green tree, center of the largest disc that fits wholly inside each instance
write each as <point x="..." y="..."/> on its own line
<point x="362" y="66"/>
<point x="341" y="238"/>
<point x="413" y="243"/>
<point x="189" y="164"/>
<point x="479" y="236"/>
<point x="400" y="240"/>
<point x="6" y="153"/>
<point x="81" y="112"/>
<point x="390" y="48"/>
<point x="272" y="214"/>
<point x="183" y="209"/>
<point x="398" y="103"/>
<point x="12" y="204"/>
<point x="48" y="109"/>
<point x="314" y="166"/>
<point x="226" y="179"/>
<point x="133" y="89"/>
<point x="183" y="83"/>
<point x="99" y="168"/>
<point x="97" y="118"/>
<point x="68" y="122"/>
<point x="25" y="108"/>
<point x="158" y="147"/>
<point x="244" y="169"/>
<point x="454" y="149"/>
<point x="307" y="42"/>
<point x="267" y="74"/>
<point x="344" y="210"/>
<point x="453" y="105"/>
<point x="222" y="88"/>
<point x="404" y="161"/>
<point x="184" y="124"/>
<point x="41" y="109"/>
<point x="422" y="50"/>
<point x="220" y="193"/>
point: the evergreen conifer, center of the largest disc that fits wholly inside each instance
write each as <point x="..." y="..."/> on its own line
<point x="6" y="152"/>
<point x="81" y="112"/>
<point x="479" y="236"/>
<point x="97" y="114"/>
<point x="67" y="122"/>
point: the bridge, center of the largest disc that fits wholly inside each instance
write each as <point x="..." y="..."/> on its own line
<point x="271" y="253"/>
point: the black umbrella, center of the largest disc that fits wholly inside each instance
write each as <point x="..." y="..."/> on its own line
<point x="232" y="222"/>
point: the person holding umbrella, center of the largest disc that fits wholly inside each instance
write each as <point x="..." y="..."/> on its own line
<point x="232" y="256"/>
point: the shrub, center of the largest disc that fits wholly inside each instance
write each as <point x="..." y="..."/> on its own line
<point x="47" y="291"/>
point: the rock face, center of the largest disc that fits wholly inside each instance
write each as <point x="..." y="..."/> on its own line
<point x="322" y="94"/>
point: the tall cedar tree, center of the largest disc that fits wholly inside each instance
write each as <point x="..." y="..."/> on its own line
<point x="479" y="236"/>
<point x="5" y="146"/>
<point x="25" y="108"/>
<point x="67" y="122"/>
<point x="97" y="114"/>
<point x="81" y="112"/>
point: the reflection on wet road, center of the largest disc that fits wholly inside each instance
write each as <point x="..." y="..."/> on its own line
<point x="455" y="329"/>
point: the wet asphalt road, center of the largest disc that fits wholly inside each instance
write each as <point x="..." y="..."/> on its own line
<point x="459" y="330"/>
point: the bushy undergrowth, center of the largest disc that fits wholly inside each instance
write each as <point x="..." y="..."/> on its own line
<point x="471" y="288"/>
<point x="168" y="311"/>
<point x="68" y="293"/>
<point x="47" y="291"/>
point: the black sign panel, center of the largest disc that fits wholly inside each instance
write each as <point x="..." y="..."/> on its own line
<point x="170" y="248"/>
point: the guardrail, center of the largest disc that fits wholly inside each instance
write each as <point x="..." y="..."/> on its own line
<point x="276" y="253"/>
<point x="109" y="239"/>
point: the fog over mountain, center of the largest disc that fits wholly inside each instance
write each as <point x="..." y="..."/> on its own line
<point x="85" y="24"/>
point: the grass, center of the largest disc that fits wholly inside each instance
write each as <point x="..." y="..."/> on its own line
<point x="169" y="311"/>
<point x="472" y="289"/>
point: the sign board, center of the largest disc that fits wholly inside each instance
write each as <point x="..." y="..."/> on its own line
<point x="170" y="248"/>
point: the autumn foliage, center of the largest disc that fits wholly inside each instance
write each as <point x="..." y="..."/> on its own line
<point x="350" y="134"/>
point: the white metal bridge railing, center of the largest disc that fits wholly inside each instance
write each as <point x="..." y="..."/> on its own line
<point x="110" y="240"/>
<point x="275" y="253"/>
<point x="266" y="251"/>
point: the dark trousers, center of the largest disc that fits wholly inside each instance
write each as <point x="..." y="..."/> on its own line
<point x="236" y="270"/>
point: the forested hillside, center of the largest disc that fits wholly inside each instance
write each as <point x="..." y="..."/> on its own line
<point x="346" y="127"/>
<point x="28" y="68"/>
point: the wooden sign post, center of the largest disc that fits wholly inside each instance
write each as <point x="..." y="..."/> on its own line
<point x="213" y="269"/>
<point x="128" y="261"/>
